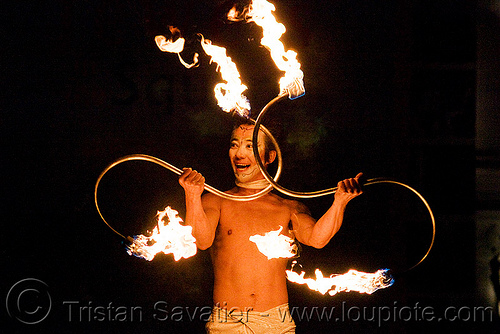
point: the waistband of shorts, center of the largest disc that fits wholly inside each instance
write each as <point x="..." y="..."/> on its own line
<point x="248" y="310"/>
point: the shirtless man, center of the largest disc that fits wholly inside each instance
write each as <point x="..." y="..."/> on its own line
<point x="244" y="279"/>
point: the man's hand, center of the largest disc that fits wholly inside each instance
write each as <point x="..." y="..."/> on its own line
<point x="349" y="189"/>
<point x="192" y="182"/>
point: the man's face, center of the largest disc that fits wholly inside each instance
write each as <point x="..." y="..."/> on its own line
<point x="241" y="154"/>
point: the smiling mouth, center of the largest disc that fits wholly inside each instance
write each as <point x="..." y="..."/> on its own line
<point x="241" y="166"/>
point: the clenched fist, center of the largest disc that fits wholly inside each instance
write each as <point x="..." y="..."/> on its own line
<point x="192" y="182"/>
<point x="349" y="189"/>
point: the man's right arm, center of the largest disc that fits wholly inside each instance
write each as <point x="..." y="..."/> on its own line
<point x="202" y="213"/>
<point x="318" y="234"/>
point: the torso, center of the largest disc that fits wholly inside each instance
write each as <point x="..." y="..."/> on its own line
<point x="244" y="277"/>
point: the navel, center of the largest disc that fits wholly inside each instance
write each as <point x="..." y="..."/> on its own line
<point x="229" y="232"/>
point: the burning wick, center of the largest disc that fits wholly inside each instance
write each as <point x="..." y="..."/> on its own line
<point x="168" y="237"/>
<point x="353" y="280"/>
<point x="275" y="245"/>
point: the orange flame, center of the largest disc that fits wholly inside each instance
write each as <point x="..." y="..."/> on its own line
<point x="261" y="12"/>
<point x="353" y="280"/>
<point x="235" y="15"/>
<point x="168" y="237"/>
<point x="229" y="95"/>
<point x="275" y="245"/>
<point x="169" y="45"/>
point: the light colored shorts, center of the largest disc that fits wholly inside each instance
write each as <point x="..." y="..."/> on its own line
<point x="274" y="321"/>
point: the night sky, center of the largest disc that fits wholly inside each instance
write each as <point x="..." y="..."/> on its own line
<point x="84" y="84"/>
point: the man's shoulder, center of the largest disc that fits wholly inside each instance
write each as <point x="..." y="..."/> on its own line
<point x="291" y="203"/>
<point x="215" y="199"/>
<point x="211" y="199"/>
<point x="296" y="206"/>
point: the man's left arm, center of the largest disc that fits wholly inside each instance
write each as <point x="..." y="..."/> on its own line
<point x="318" y="233"/>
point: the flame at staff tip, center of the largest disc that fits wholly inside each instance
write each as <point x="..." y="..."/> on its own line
<point x="229" y="95"/>
<point x="351" y="281"/>
<point x="261" y="12"/>
<point x="168" y="45"/>
<point x="275" y="245"/>
<point x="168" y="237"/>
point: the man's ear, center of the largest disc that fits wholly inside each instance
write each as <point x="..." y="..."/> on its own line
<point x="272" y="156"/>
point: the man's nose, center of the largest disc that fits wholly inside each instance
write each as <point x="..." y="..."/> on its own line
<point x="240" y="152"/>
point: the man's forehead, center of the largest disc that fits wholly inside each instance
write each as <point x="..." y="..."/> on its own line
<point x="244" y="132"/>
<point x="245" y="128"/>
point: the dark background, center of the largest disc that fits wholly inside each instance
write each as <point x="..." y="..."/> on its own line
<point x="393" y="88"/>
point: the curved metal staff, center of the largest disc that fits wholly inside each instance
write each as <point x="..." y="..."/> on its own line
<point x="329" y="191"/>
<point x="272" y="181"/>
<point x="178" y="171"/>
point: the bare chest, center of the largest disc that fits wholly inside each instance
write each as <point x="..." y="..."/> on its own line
<point x="240" y="220"/>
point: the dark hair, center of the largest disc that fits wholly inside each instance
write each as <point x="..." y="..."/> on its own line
<point x="268" y="144"/>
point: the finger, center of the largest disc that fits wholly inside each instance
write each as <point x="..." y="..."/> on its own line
<point x="186" y="171"/>
<point x="360" y="178"/>
<point x="198" y="178"/>
<point x="341" y="186"/>
<point x="185" y="174"/>
<point x="347" y="183"/>
<point x="192" y="175"/>
<point x="355" y="185"/>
